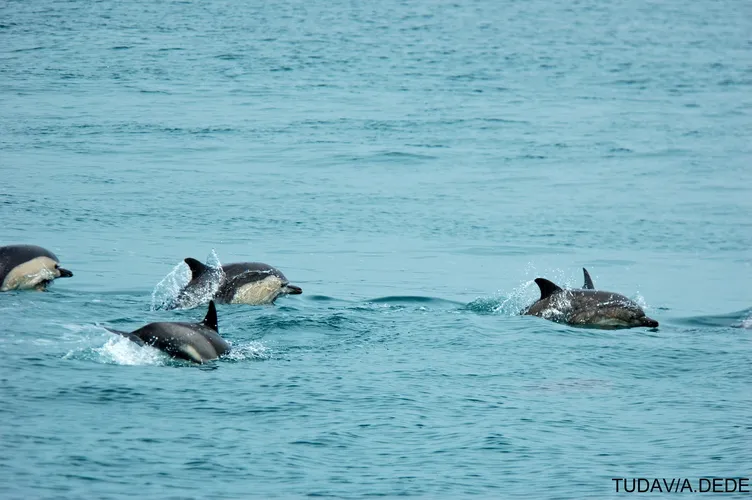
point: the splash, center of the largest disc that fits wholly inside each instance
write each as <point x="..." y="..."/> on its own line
<point x="638" y="299"/>
<point x="747" y="321"/>
<point x="169" y="293"/>
<point x="212" y="260"/>
<point x="121" y="351"/>
<point x="522" y="296"/>
<point x="508" y="304"/>
<point x="249" y="351"/>
<point x="118" y="350"/>
<point x="167" y="290"/>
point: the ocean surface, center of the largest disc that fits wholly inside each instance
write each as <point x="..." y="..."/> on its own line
<point x="413" y="166"/>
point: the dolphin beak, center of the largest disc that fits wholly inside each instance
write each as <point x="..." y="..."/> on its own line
<point x="64" y="273"/>
<point x="293" y="290"/>
<point x="649" y="322"/>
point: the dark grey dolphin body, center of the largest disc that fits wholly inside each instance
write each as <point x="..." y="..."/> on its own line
<point x="251" y="283"/>
<point x="26" y="267"/>
<point x="197" y="342"/>
<point x="587" y="307"/>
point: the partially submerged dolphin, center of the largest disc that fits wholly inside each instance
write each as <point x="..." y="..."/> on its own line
<point x="251" y="283"/>
<point x="197" y="342"/>
<point x="27" y="267"/>
<point x="587" y="306"/>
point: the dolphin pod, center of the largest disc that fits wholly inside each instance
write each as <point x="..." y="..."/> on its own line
<point x="29" y="267"/>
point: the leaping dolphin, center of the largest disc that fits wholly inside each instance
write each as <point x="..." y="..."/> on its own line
<point x="251" y="283"/>
<point x="29" y="267"/>
<point x="587" y="306"/>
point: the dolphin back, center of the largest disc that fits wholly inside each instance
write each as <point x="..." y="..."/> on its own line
<point x="255" y="271"/>
<point x="129" y="335"/>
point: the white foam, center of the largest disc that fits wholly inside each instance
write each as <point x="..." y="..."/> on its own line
<point x="249" y="351"/>
<point x="121" y="351"/>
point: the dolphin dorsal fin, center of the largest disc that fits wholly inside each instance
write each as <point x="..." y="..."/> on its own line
<point x="211" y="317"/>
<point x="547" y="288"/>
<point x="197" y="268"/>
<point x="588" y="281"/>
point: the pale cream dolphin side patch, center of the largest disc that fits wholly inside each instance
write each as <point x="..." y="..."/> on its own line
<point x="258" y="292"/>
<point x="192" y="353"/>
<point x="30" y="274"/>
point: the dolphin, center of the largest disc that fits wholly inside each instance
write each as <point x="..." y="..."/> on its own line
<point x="587" y="306"/>
<point x="197" y="342"/>
<point x="27" y="267"/>
<point x="251" y="283"/>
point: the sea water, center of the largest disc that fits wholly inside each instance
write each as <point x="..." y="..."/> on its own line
<point x="413" y="166"/>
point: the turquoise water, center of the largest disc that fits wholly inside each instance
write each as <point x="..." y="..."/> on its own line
<point x="413" y="166"/>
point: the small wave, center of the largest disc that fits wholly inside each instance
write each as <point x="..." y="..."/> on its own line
<point x="411" y="299"/>
<point x="330" y="322"/>
<point x="739" y="319"/>
<point x="570" y="385"/>
<point x="403" y="155"/>
<point x="29" y="49"/>
<point x="320" y="298"/>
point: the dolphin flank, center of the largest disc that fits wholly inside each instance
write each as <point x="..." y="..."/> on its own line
<point x="587" y="306"/>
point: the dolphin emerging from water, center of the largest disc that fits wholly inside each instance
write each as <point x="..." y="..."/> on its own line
<point x="587" y="306"/>
<point x="27" y="267"/>
<point x="251" y="283"/>
<point x="197" y="342"/>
